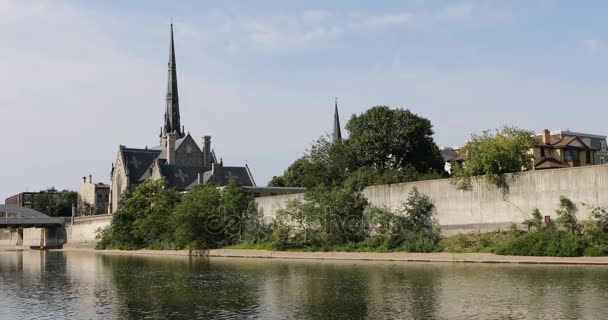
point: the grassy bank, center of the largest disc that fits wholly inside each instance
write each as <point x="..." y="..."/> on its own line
<point x="543" y="242"/>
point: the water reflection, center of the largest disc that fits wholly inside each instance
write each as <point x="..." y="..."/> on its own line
<point x="51" y="285"/>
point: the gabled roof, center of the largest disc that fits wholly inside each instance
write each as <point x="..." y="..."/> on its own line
<point x="222" y="175"/>
<point x="138" y="161"/>
<point x="562" y="142"/>
<point x="549" y="163"/>
<point x="448" y="154"/>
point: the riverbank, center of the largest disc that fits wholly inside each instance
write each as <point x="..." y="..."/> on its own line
<point x="354" y="256"/>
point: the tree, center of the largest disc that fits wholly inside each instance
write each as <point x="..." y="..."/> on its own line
<point x="325" y="163"/>
<point x="55" y="203"/>
<point x="393" y="138"/>
<point x="240" y="214"/>
<point x="493" y="155"/>
<point x="385" y="146"/>
<point x="144" y="218"/>
<point x="198" y="221"/>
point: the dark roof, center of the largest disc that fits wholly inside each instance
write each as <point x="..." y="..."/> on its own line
<point x="138" y="162"/>
<point x="449" y="154"/>
<point x="15" y="216"/>
<point x="549" y="163"/>
<point x="180" y="177"/>
<point x="222" y="175"/>
<point x="559" y="142"/>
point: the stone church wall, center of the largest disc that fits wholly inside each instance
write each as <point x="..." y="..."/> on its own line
<point x="189" y="154"/>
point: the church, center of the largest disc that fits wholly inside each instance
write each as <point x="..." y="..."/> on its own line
<point x="178" y="158"/>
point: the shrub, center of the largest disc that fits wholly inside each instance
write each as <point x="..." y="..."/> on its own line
<point x="549" y="241"/>
<point x="476" y="242"/>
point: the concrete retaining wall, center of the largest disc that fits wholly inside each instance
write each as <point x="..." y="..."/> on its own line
<point x="84" y="229"/>
<point x="486" y="207"/>
<point x="270" y="205"/>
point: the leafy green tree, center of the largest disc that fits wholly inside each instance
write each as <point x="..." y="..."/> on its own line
<point x="301" y="173"/>
<point x="198" y="220"/>
<point x="382" y="137"/>
<point x="241" y="218"/>
<point x="369" y="176"/>
<point x="337" y="213"/>
<point x="55" y="203"/>
<point x="325" y="217"/>
<point x="143" y="219"/>
<point x="493" y="155"/>
<point x="325" y="163"/>
<point x="385" y="146"/>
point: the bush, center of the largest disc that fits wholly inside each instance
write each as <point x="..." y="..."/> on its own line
<point x="549" y="241"/>
<point x="476" y="242"/>
<point x="413" y="229"/>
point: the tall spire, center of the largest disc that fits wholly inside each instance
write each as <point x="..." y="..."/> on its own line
<point x="172" y="122"/>
<point x="337" y="135"/>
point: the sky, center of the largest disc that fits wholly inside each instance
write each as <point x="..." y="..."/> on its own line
<point x="80" y="78"/>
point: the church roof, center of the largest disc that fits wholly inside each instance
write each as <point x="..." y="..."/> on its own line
<point x="138" y="161"/>
<point x="180" y="177"/>
<point x="223" y="175"/>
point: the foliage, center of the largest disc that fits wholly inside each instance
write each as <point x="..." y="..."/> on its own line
<point x="143" y="219"/>
<point x="548" y="241"/>
<point x="535" y="221"/>
<point x="197" y="220"/>
<point x="494" y="155"/>
<point x="206" y="217"/>
<point x="385" y="146"/>
<point x="55" y="203"/>
<point x="382" y="137"/>
<point x="566" y="215"/>
<point x="476" y="242"/>
<point x="368" y="176"/>
<point x="323" y="217"/>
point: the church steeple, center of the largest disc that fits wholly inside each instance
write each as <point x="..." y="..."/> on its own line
<point x="172" y="123"/>
<point x="337" y="134"/>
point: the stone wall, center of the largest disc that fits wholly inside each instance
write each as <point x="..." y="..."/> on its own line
<point x="84" y="229"/>
<point x="486" y="207"/>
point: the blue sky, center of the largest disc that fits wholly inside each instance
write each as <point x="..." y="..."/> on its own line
<point x="81" y="77"/>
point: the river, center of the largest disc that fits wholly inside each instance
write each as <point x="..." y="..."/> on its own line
<point x="84" y="285"/>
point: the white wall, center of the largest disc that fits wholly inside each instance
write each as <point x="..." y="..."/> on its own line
<point x="487" y="207"/>
<point x="85" y="228"/>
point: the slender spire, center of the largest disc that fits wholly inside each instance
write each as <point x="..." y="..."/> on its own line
<point x="337" y="135"/>
<point x="172" y="121"/>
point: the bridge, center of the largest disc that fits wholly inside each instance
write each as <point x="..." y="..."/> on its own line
<point x="27" y="227"/>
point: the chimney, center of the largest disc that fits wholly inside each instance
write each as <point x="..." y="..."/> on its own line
<point x="90" y="178"/>
<point x="207" y="152"/>
<point x="546" y="137"/>
<point x="84" y="179"/>
<point x="171" y="137"/>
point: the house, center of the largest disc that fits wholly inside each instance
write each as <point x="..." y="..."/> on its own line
<point x="563" y="149"/>
<point x="450" y="155"/>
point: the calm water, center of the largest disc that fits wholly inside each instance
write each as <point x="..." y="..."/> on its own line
<point x="55" y="285"/>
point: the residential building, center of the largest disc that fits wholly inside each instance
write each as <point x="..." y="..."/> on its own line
<point x="562" y="149"/>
